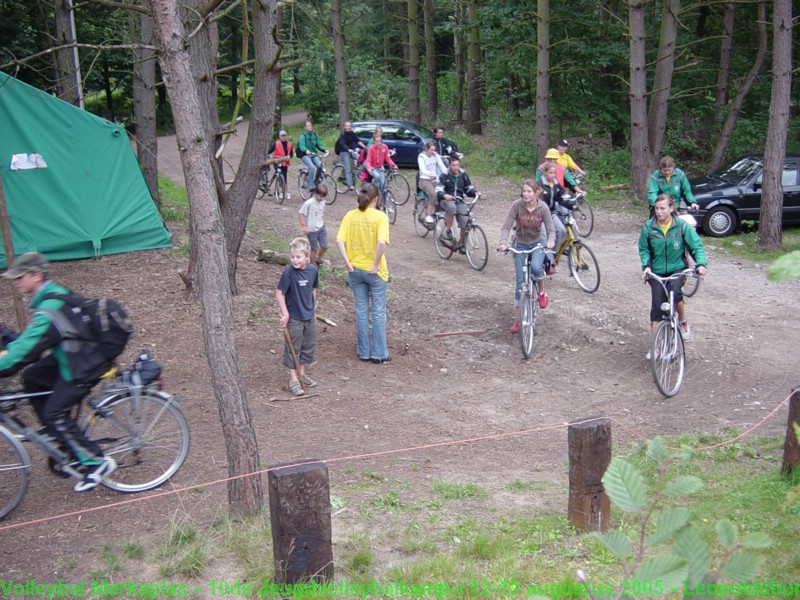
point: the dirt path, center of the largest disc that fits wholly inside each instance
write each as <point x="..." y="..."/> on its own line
<point x="589" y="360"/>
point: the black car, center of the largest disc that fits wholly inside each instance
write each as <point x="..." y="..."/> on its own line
<point x="732" y="194"/>
<point x="405" y="138"/>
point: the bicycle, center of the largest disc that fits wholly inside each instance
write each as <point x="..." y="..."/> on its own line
<point x="322" y="175"/>
<point x="130" y="416"/>
<point x="528" y="299"/>
<point x="398" y="184"/>
<point x="476" y="247"/>
<point x="690" y="283"/>
<point x="388" y="205"/>
<point x="421" y="228"/>
<point x="667" y="351"/>
<point x="266" y="182"/>
<point x="582" y="262"/>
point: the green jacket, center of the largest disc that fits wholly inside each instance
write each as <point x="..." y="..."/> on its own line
<point x="39" y="336"/>
<point x="678" y="187"/>
<point x="664" y="254"/>
<point x="309" y="141"/>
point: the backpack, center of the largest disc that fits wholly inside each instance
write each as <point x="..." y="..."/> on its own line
<point x="94" y="331"/>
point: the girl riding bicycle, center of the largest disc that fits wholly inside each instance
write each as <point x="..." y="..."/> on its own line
<point x="528" y="213"/>
<point x="662" y="247"/>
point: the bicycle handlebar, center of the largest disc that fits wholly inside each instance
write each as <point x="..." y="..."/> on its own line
<point x="529" y="251"/>
<point x="674" y="276"/>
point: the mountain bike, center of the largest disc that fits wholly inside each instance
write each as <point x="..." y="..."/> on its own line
<point x="132" y="419"/>
<point x="321" y="175"/>
<point x="582" y="262"/>
<point x="266" y="183"/>
<point x="528" y="300"/>
<point x="584" y="215"/>
<point x="476" y="247"/>
<point x="667" y="352"/>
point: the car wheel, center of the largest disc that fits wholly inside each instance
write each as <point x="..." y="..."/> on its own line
<point x="719" y="222"/>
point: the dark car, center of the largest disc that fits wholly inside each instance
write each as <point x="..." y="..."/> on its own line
<point x="405" y="138"/>
<point x="732" y="194"/>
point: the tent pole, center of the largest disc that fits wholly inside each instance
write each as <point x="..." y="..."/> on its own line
<point x="8" y="246"/>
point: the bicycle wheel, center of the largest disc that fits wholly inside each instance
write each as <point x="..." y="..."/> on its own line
<point x="15" y="467"/>
<point x="332" y="192"/>
<point x="667" y="359"/>
<point x="401" y="190"/>
<point x="443" y="248"/>
<point x="584" y="268"/>
<point x="263" y="184"/>
<point x="147" y="435"/>
<point x="280" y="188"/>
<point x="390" y="207"/>
<point x="338" y="176"/>
<point x="477" y="247"/>
<point x="690" y="282"/>
<point x="527" y="326"/>
<point x="419" y="218"/>
<point x="584" y="216"/>
<point x="305" y="193"/>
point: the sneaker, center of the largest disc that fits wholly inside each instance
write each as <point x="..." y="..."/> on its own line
<point x="461" y="249"/>
<point x="430" y="219"/>
<point x="288" y="196"/>
<point x="447" y="235"/>
<point x="351" y="188"/>
<point x="687" y="332"/>
<point x="544" y="300"/>
<point x="515" y="327"/>
<point x="95" y="474"/>
<point x="308" y="382"/>
<point x="380" y="361"/>
<point x="296" y="388"/>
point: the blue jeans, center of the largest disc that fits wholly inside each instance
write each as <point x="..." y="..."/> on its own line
<point x="347" y="162"/>
<point x="314" y="164"/>
<point x="378" y="178"/>
<point x="366" y="285"/>
<point x="537" y="269"/>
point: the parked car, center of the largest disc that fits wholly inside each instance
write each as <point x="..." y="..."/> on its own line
<point x="732" y="194"/>
<point x="405" y="138"/>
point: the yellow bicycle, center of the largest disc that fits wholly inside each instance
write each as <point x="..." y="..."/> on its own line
<point x="582" y="262"/>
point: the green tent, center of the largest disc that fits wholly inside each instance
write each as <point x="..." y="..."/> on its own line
<point x="90" y="199"/>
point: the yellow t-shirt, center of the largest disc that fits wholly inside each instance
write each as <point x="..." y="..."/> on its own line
<point x="665" y="228"/>
<point x="360" y="232"/>
<point x="566" y="160"/>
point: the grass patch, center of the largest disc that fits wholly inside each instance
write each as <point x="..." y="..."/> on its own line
<point x="745" y="245"/>
<point x="450" y="490"/>
<point x="174" y="201"/>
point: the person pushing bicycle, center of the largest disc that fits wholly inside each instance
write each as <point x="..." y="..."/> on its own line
<point x="662" y="249"/>
<point x="52" y="373"/>
<point x="669" y="179"/>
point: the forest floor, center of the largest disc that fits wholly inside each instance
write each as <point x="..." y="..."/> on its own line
<point x="589" y="360"/>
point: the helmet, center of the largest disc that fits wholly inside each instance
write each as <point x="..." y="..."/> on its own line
<point x="552" y="153"/>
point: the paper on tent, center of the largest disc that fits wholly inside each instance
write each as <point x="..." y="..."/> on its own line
<point x="20" y="162"/>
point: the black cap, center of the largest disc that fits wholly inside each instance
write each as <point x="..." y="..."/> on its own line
<point x="562" y="142"/>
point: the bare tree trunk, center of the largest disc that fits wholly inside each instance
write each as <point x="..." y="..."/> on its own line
<point x="736" y="106"/>
<point x="339" y="61"/>
<point x="245" y="494"/>
<point x="430" y="63"/>
<point x="542" y="79"/>
<point x="387" y="51"/>
<point x="640" y="150"/>
<point x="414" y="114"/>
<point x="726" y="48"/>
<point x="662" y="82"/>
<point x="474" y="80"/>
<point x="68" y="84"/>
<point x="769" y="227"/>
<point x="458" y="50"/>
<point x="144" y="100"/>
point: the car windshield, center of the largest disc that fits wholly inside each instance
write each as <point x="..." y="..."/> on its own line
<point x="424" y="131"/>
<point x="737" y="172"/>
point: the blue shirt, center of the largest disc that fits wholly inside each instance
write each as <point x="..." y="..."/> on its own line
<point x="298" y="287"/>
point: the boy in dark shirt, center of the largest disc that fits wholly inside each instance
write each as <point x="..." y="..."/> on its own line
<point x="297" y="298"/>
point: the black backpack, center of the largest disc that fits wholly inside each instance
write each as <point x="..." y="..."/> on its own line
<point x="94" y="331"/>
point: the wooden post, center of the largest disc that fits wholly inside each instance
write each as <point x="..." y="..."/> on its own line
<point x="589" y="455"/>
<point x="791" y="447"/>
<point x="300" y="512"/>
<point x="8" y="248"/>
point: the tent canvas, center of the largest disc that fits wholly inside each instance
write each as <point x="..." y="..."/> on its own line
<point x="90" y="199"/>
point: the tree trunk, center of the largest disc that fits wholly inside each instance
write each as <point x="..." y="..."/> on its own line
<point x="68" y="83"/>
<point x="640" y="150"/>
<point x="144" y="100"/>
<point x="474" y="82"/>
<point x="726" y="48"/>
<point x="769" y="227"/>
<point x="736" y="106"/>
<point x="109" y="92"/>
<point x="430" y="63"/>
<point x="414" y="114"/>
<point x="339" y="61"/>
<point x="662" y="82"/>
<point x="245" y="494"/>
<point x="542" y="79"/>
<point x="458" y="50"/>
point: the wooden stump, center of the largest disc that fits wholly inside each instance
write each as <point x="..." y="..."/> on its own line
<point x="300" y="512"/>
<point x="791" y="448"/>
<point x="589" y="507"/>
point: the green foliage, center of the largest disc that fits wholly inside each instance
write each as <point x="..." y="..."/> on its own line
<point x="451" y="490"/>
<point x="625" y="486"/>
<point x="174" y="200"/>
<point x="786" y="267"/>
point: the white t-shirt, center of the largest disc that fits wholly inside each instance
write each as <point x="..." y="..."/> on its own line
<point x="314" y="212"/>
<point x="430" y="167"/>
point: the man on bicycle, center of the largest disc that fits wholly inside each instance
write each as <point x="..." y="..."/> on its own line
<point x="308" y="147"/>
<point x="347" y="148"/>
<point x="566" y="160"/>
<point x="669" y="179"/>
<point x="451" y="189"/>
<point x="278" y="149"/>
<point x="52" y="373"/>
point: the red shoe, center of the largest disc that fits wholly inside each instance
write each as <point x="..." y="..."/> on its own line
<point x="515" y="327"/>
<point x="544" y="300"/>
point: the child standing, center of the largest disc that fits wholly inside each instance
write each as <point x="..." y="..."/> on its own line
<point x="312" y="214"/>
<point x="297" y="298"/>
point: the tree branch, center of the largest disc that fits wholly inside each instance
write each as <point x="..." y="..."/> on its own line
<point x="123" y="5"/>
<point x="100" y="47"/>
